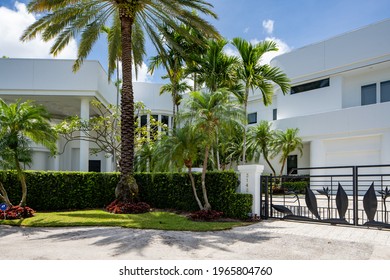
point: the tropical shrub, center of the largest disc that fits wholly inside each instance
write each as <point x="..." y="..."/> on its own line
<point x="53" y="191"/>
<point x="17" y="212"/>
<point x="119" y="207"/>
<point x="205" y="215"/>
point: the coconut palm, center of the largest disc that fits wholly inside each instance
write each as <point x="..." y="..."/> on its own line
<point x="180" y="149"/>
<point x="21" y="122"/>
<point x="66" y="19"/>
<point x="285" y="143"/>
<point x="208" y="112"/>
<point x="260" y="142"/>
<point x="254" y="75"/>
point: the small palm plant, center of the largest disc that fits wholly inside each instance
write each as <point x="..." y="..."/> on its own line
<point x="20" y="123"/>
<point x="385" y="194"/>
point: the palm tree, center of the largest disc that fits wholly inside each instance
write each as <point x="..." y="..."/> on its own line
<point x="20" y="122"/>
<point x="285" y="143"/>
<point x="260" y="142"/>
<point x="180" y="149"/>
<point x="214" y="69"/>
<point x="207" y="112"/>
<point x="173" y="61"/>
<point x="253" y="75"/>
<point x="66" y="19"/>
<point x="176" y="89"/>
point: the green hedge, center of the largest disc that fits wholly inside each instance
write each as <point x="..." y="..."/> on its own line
<point x="298" y="187"/>
<point x="53" y="191"/>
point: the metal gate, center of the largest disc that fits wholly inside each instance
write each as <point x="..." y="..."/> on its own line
<point x="350" y="195"/>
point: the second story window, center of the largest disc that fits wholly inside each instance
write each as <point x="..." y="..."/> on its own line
<point x="368" y="94"/>
<point x="310" y="86"/>
<point x="385" y="91"/>
<point x="274" y="114"/>
<point x="252" y="118"/>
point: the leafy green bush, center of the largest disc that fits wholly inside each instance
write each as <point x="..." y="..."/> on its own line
<point x="53" y="191"/>
<point x="298" y="187"/>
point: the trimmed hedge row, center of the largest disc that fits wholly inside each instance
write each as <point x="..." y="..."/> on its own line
<point x="53" y="191"/>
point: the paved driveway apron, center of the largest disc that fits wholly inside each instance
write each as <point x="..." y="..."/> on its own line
<point x="272" y="240"/>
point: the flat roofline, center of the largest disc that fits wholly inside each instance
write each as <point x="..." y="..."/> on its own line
<point x="57" y="60"/>
<point x="332" y="37"/>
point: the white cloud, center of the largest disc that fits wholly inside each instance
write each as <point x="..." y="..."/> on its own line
<point x="143" y="75"/>
<point x="12" y="25"/>
<point x="246" y="30"/>
<point x="268" y="26"/>
<point x="231" y="51"/>
<point x="267" y="57"/>
<point x="282" y="46"/>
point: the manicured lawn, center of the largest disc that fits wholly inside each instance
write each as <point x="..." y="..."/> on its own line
<point x="152" y="220"/>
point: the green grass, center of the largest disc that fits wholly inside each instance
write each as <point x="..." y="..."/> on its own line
<point x="151" y="220"/>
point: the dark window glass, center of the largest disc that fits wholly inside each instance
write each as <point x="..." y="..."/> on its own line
<point x="153" y="127"/>
<point x="252" y="118"/>
<point x="310" y="86"/>
<point x="369" y="94"/>
<point x="144" y="120"/>
<point x="292" y="162"/>
<point x="275" y="114"/>
<point x="94" y="166"/>
<point x="385" y="91"/>
<point x="164" y="119"/>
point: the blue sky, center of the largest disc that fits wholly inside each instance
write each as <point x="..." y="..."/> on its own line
<point x="291" y="23"/>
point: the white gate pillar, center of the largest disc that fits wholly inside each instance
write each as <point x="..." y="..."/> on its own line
<point x="250" y="184"/>
<point x="84" y="145"/>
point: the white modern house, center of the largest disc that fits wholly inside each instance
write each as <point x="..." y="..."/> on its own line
<point x="340" y="100"/>
<point x="64" y="93"/>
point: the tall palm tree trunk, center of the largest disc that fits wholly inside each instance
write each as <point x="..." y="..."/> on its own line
<point x="173" y="111"/>
<point x="127" y="189"/>
<point x="245" y="125"/>
<point x="207" y="205"/>
<point x="194" y="188"/>
<point x="4" y="195"/>
<point x="22" y="179"/>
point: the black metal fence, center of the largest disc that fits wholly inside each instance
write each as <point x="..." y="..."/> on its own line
<point x="351" y="195"/>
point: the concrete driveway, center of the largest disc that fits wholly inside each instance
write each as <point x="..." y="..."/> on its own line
<point x="271" y="240"/>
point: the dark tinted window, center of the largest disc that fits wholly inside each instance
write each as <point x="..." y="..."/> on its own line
<point x="385" y="91"/>
<point x="252" y="118"/>
<point x="369" y="94"/>
<point x="310" y="86"/>
<point x="144" y="120"/>
<point x="275" y="114"/>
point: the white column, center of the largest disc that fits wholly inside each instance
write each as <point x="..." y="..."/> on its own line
<point x="110" y="164"/>
<point x="385" y="148"/>
<point x="84" y="145"/>
<point x="57" y="158"/>
<point x="250" y="184"/>
<point x="317" y="153"/>
<point x="317" y="159"/>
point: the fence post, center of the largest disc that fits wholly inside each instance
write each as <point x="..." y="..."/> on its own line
<point x="266" y="204"/>
<point x="355" y="193"/>
<point x="250" y="184"/>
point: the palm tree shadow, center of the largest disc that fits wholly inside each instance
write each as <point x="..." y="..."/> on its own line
<point x="6" y="230"/>
<point x="124" y="240"/>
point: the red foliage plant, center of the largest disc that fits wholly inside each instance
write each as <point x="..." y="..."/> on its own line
<point x="205" y="215"/>
<point x="118" y="207"/>
<point x="17" y="212"/>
